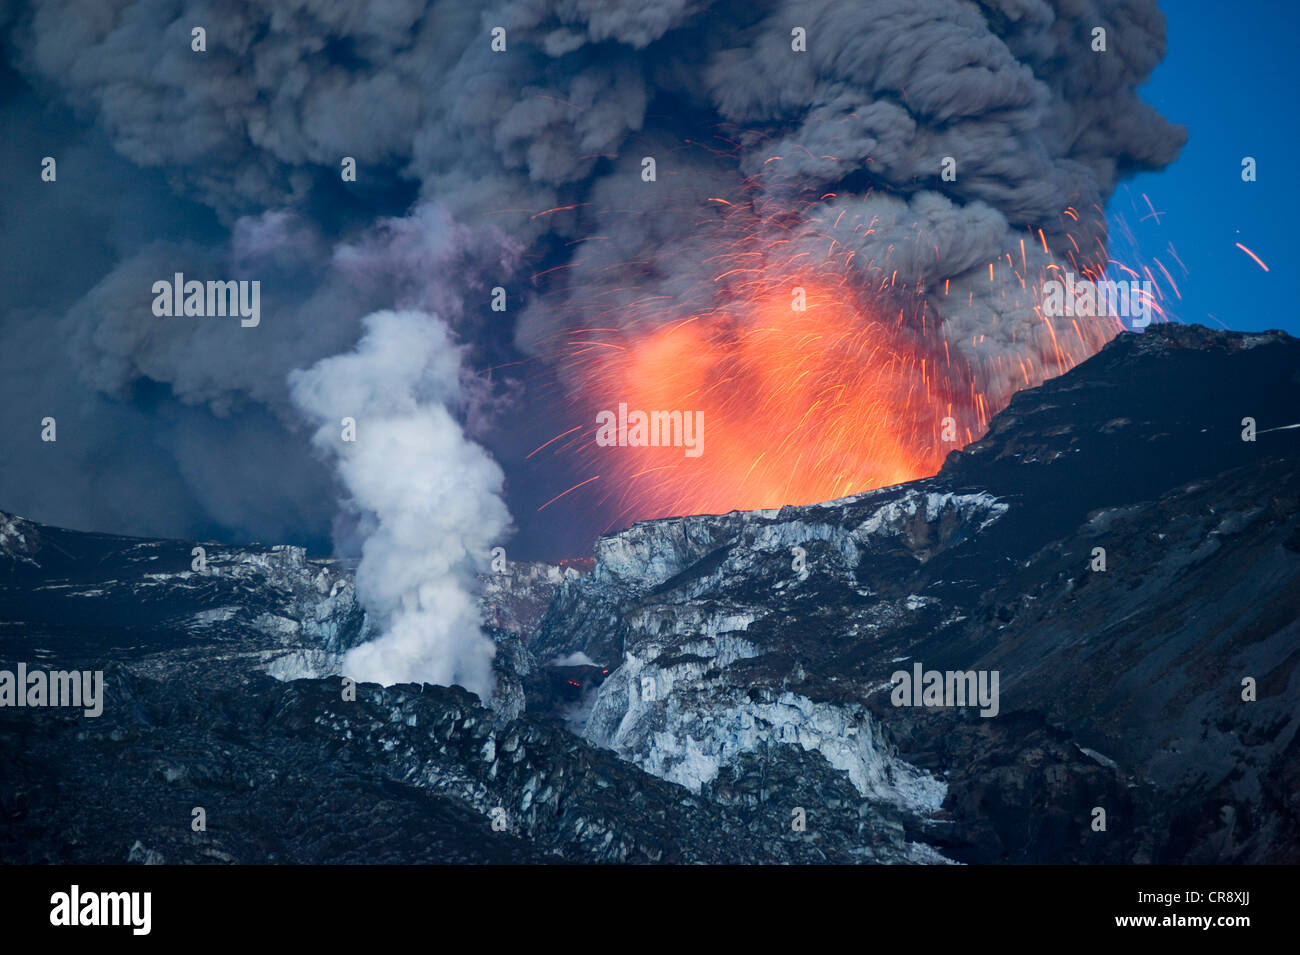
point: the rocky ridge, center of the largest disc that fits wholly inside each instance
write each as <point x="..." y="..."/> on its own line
<point x="696" y="690"/>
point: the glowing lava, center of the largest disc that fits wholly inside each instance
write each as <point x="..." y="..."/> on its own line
<point x="798" y="406"/>
<point x="816" y="380"/>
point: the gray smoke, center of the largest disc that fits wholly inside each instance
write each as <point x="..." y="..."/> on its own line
<point x="225" y="164"/>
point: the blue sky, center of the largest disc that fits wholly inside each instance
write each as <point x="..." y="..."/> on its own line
<point x="1230" y="76"/>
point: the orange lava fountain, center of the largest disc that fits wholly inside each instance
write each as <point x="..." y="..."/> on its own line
<point x="858" y="390"/>
<point x="798" y="406"/>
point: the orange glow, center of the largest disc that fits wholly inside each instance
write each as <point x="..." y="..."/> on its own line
<point x="859" y="390"/>
<point x="799" y="406"/>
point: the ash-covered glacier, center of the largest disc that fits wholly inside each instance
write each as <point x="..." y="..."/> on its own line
<point x="717" y="688"/>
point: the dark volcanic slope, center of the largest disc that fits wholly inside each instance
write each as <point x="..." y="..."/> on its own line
<point x="727" y="693"/>
<point x="987" y="566"/>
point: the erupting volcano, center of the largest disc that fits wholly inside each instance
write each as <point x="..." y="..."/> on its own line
<point x="818" y="375"/>
<point x="798" y="405"/>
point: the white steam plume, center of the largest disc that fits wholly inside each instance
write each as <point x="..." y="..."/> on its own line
<point x="431" y="498"/>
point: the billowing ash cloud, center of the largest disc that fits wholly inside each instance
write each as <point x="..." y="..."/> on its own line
<point x="429" y="499"/>
<point x="227" y="163"/>
<point x="852" y="134"/>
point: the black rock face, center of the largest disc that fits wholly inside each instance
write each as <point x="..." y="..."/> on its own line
<point x="694" y="698"/>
